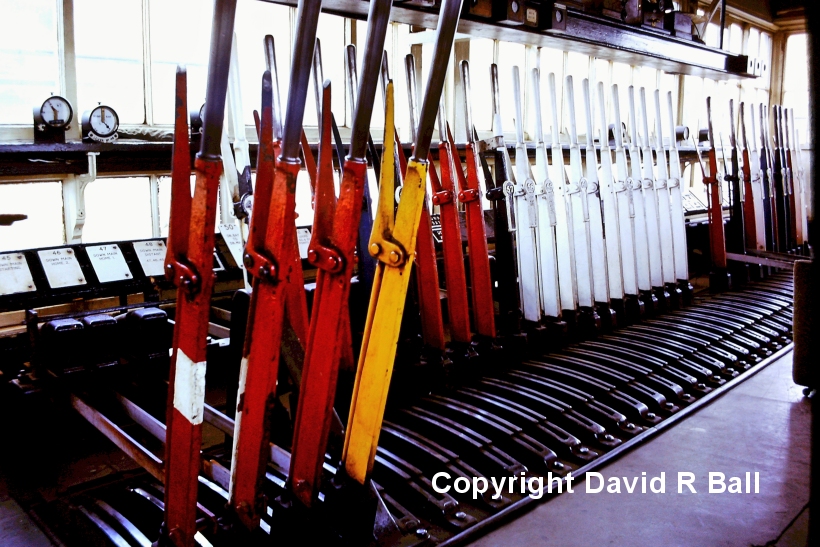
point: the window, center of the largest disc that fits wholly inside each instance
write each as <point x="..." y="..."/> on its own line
<point x="29" y="65"/>
<point x="43" y="203"/>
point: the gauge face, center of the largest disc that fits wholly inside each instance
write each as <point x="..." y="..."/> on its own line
<point x="103" y="121"/>
<point x="202" y="114"/>
<point x="56" y="112"/>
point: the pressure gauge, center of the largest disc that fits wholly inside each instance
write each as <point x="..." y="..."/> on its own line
<point x="56" y="112"/>
<point x="100" y="124"/>
<point x="52" y="119"/>
<point x="197" y="120"/>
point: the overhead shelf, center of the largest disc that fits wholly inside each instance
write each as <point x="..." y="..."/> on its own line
<point x="596" y="36"/>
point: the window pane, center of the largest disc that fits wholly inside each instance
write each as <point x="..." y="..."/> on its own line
<point x="510" y="55"/>
<point x="304" y="208"/>
<point x="254" y="20"/>
<point x="43" y="203"/>
<point x="117" y="209"/>
<point x="796" y="75"/>
<point x="753" y="45"/>
<point x="395" y="61"/>
<point x="602" y="69"/>
<point x="164" y="202"/>
<point x="796" y="84"/>
<point x="765" y="56"/>
<point x="735" y="38"/>
<point x="111" y="74"/>
<point x="481" y="57"/>
<point x="331" y="33"/>
<point x="552" y="62"/>
<point x="693" y="104"/>
<point x="578" y="67"/>
<point x="29" y="69"/>
<point x="646" y="79"/>
<point x="669" y="84"/>
<point x="180" y="34"/>
<point x="401" y="37"/>
<point x="712" y="35"/>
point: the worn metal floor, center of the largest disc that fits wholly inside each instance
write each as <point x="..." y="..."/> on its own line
<point x="761" y="425"/>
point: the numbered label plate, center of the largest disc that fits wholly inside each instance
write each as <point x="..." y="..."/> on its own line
<point x="108" y="262"/>
<point x="233" y="237"/>
<point x="151" y="255"/>
<point x="303" y="238"/>
<point x="62" y="268"/>
<point x="15" y="277"/>
<point x="435" y="221"/>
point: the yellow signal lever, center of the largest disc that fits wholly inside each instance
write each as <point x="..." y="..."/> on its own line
<point x="390" y="240"/>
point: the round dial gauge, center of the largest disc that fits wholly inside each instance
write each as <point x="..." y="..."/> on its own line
<point x="103" y="121"/>
<point x="202" y="114"/>
<point x="56" y="112"/>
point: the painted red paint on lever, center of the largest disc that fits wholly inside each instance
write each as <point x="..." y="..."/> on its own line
<point x="792" y="200"/>
<point x="444" y="195"/>
<point x="432" y="323"/>
<point x="331" y="250"/>
<point x="750" y="226"/>
<point x="268" y="255"/>
<point x="717" y="237"/>
<point x="480" y="280"/>
<point x="189" y="263"/>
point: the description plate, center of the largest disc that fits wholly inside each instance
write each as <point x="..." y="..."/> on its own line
<point x="15" y="277"/>
<point x="62" y="268"/>
<point x="303" y="238"/>
<point x="233" y="238"/>
<point x="151" y="255"/>
<point x="108" y="263"/>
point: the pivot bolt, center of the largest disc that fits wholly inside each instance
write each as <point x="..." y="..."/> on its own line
<point x="461" y="515"/>
<point x="651" y="415"/>
<point x="421" y="533"/>
<point x="394" y="257"/>
<point x="583" y="450"/>
<point x="248" y="260"/>
<point x="558" y="465"/>
<point x="630" y="425"/>
<point x="669" y="404"/>
<point x="609" y="438"/>
<point x="375" y="248"/>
